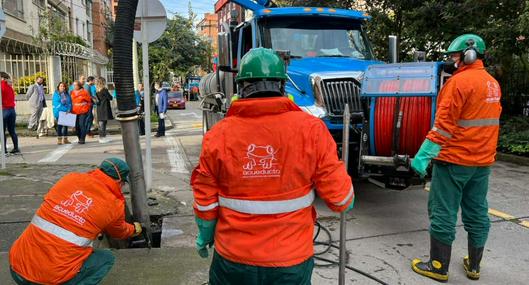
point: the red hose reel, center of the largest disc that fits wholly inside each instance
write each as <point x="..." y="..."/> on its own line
<point x="415" y="124"/>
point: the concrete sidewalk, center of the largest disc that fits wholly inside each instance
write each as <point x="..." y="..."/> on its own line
<point x="156" y="266"/>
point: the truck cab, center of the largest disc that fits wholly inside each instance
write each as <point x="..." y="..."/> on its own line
<point x="328" y="53"/>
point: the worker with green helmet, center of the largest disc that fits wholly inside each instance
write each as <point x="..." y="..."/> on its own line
<point x="462" y="145"/>
<point x="254" y="186"/>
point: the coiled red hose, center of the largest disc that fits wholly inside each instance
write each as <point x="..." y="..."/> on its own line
<point x="416" y="122"/>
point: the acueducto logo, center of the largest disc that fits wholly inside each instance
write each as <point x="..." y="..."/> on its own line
<point x="261" y="162"/>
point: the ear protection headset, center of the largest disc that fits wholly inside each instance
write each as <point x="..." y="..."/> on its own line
<point x="470" y="55"/>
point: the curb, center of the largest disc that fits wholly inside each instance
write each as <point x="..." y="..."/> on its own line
<point x="505" y="157"/>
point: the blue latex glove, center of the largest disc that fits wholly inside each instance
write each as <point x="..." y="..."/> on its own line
<point x="428" y="151"/>
<point x="351" y="206"/>
<point x="206" y="232"/>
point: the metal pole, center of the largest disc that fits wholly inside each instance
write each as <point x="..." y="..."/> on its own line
<point x="146" y="100"/>
<point x="2" y="134"/>
<point x="345" y="159"/>
<point x="393" y="49"/>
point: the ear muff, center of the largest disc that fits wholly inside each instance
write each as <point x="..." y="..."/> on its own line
<point x="470" y="55"/>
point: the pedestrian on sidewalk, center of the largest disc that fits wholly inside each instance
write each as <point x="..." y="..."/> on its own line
<point x="9" y="114"/>
<point x="163" y="101"/>
<point x="90" y="86"/>
<point x="140" y="101"/>
<point x="254" y="186"/>
<point x="36" y="97"/>
<point x="62" y="102"/>
<point x="81" y="106"/>
<point x="463" y="145"/>
<point x="104" y="109"/>
<point x="56" y="247"/>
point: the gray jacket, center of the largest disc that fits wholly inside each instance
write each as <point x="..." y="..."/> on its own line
<point x="33" y="97"/>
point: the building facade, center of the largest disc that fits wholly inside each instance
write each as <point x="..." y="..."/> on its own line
<point x="41" y="41"/>
<point x="208" y="28"/>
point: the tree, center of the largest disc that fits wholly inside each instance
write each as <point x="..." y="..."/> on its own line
<point x="179" y="50"/>
<point x="52" y="28"/>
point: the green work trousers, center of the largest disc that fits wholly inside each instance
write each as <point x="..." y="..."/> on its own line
<point x="453" y="186"/>
<point x="94" y="269"/>
<point x="225" y="272"/>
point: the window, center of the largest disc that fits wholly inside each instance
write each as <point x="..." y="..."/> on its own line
<point x="84" y="34"/>
<point x="14" y="7"/>
<point x="40" y="3"/>
<point x="318" y="38"/>
<point x="89" y="9"/>
<point x="89" y="32"/>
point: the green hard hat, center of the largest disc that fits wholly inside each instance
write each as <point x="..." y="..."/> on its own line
<point x="465" y="41"/>
<point x="261" y="63"/>
<point x="115" y="168"/>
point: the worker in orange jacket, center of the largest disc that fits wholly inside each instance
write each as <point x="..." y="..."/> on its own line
<point x="259" y="172"/>
<point x="462" y="143"/>
<point x="56" y="247"/>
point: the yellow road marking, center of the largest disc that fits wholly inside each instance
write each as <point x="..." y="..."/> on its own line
<point x="524" y="224"/>
<point x="196" y="125"/>
<point x="500" y="214"/>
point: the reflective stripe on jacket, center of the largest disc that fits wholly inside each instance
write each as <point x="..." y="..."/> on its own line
<point x="77" y="208"/>
<point x="259" y="172"/>
<point x="468" y="116"/>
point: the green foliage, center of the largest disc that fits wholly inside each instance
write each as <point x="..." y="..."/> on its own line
<point x="179" y="50"/>
<point x="22" y="83"/>
<point x="431" y="25"/>
<point x="52" y="27"/>
<point x="514" y="136"/>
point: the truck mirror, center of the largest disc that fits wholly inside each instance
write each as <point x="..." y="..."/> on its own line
<point x="225" y="52"/>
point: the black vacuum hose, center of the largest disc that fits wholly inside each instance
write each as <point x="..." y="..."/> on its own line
<point x="124" y="31"/>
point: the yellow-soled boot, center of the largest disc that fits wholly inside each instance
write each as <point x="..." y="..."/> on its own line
<point x="437" y="267"/>
<point x="472" y="261"/>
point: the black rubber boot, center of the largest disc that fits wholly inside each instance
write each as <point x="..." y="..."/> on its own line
<point x="437" y="267"/>
<point x="472" y="261"/>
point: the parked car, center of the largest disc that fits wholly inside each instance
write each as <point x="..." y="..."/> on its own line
<point x="176" y="100"/>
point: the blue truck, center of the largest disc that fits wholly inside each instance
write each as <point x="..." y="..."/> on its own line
<point x="330" y="63"/>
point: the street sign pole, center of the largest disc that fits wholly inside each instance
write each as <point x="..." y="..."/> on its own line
<point x="2" y="134"/>
<point x="152" y="23"/>
<point x="147" y="98"/>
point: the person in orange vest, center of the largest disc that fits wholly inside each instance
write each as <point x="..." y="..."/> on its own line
<point x="81" y="106"/>
<point x="463" y="146"/>
<point x="259" y="172"/>
<point x="56" y="247"/>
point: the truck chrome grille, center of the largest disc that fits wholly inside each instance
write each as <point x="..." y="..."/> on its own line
<point x="337" y="92"/>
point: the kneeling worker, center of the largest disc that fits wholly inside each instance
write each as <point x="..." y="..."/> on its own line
<point x="56" y="248"/>
<point x="259" y="172"/>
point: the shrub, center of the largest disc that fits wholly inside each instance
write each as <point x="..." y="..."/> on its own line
<point x="22" y="83"/>
<point x="514" y="136"/>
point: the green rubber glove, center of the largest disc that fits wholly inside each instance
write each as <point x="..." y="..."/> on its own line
<point x="206" y="232"/>
<point x="351" y="206"/>
<point x="428" y="151"/>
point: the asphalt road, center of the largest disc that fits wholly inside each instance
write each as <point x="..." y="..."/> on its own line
<point x="385" y="231"/>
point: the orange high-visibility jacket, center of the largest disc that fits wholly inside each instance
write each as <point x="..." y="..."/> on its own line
<point x="83" y="205"/>
<point x="259" y="171"/>
<point x="81" y="101"/>
<point x="468" y="117"/>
